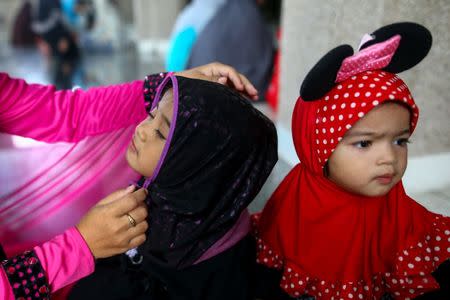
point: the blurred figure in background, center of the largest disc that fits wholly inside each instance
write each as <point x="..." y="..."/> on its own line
<point x="237" y="35"/>
<point x="22" y="35"/>
<point x="189" y="25"/>
<point x="232" y="31"/>
<point x="80" y="14"/>
<point x="56" y="40"/>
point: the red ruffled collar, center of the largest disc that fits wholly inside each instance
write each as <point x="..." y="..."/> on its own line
<point x="410" y="276"/>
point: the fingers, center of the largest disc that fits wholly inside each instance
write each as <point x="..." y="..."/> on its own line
<point x="136" y="236"/>
<point x="139" y="214"/>
<point x="131" y="237"/>
<point x="129" y="202"/>
<point x="225" y="75"/>
<point x="232" y="75"/>
<point x="140" y="195"/>
<point x="137" y="230"/>
<point x="249" y="89"/>
<point x="137" y="241"/>
<point x="239" y="81"/>
<point x="117" y="195"/>
<point x="222" y="80"/>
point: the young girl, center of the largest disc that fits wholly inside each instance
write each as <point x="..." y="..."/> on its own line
<point x="340" y="225"/>
<point x="205" y="152"/>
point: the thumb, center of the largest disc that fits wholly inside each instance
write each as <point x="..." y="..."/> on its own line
<point x="117" y="195"/>
<point x="129" y="202"/>
<point x="222" y="80"/>
<point x="140" y="194"/>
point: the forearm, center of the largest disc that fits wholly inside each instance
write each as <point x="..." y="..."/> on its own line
<point x="49" y="267"/>
<point x="42" y="113"/>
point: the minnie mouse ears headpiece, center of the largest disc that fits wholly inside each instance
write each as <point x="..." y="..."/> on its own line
<point x="393" y="48"/>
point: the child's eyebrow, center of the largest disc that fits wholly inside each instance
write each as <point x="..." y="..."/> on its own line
<point x="374" y="134"/>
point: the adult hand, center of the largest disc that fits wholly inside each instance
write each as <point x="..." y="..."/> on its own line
<point x="108" y="230"/>
<point x="222" y="74"/>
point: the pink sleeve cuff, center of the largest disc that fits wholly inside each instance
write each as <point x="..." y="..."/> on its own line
<point x="6" y="292"/>
<point x="66" y="259"/>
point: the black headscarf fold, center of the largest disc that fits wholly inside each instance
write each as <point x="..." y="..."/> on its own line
<point x="221" y="153"/>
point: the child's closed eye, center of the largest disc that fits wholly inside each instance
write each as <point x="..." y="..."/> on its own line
<point x="159" y="134"/>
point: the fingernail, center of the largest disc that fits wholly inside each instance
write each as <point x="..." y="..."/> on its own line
<point x="130" y="188"/>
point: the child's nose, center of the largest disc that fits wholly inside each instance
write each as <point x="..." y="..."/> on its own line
<point x="140" y="131"/>
<point x="386" y="155"/>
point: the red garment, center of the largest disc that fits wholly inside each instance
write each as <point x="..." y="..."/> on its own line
<point x="333" y="244"/>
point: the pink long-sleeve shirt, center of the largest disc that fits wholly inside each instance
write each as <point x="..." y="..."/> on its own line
<point x="41" y="112"/>
<point x="64" y="259"/>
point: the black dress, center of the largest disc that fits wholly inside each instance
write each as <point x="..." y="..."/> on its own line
<point x="226" y="276"/>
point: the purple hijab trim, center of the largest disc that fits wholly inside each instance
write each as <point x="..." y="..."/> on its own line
<point x="173" y="124"/>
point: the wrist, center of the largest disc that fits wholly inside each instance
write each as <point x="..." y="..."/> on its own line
<point x="84" y="238"/>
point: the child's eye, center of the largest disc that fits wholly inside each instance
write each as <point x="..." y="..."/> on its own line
<point x="402" y="142"/>
<point x="151" y="116"/>
<point x="160" y="134"/>
<point x="363" y="144"/>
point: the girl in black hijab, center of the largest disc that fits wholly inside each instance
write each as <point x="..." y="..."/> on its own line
<point x="205" y="153"/>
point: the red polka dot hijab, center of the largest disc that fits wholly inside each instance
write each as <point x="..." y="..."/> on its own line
<point x="330" y="243"/>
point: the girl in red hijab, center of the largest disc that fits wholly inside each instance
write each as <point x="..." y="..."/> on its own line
<point x="340" y="225"/>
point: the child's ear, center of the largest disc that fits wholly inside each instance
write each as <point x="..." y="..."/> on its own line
<point x="414" y="45"/>
<point x="322" y="77"/>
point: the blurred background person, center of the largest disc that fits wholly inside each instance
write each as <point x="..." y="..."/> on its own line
<point x="189" y="25"/>
<point x="233" y="31"/>
<point x="21" y="34"/>
<point x="57" y="40"/>
<point x="237" y="35"/>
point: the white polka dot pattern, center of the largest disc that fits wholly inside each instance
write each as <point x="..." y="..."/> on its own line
<point x="410" y="277"/>
<point x="351" y="100"/>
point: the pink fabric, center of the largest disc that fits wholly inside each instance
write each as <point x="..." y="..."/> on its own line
<point x="46" y="189"/>
<point x="66" y="259"/>
<point x="5" y="288"/>
<point x="374" y="57"/>
<point x="239" y="230"/>
<point x="42" y="113"/>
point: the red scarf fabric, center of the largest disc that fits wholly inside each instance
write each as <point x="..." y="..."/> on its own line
<point x="333" y="244"/>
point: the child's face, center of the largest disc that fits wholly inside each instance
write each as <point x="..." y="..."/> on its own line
<point x="150" y="136"/>
<point x="372" y="156"/>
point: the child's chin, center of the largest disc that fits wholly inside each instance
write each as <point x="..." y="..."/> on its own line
<point x="130" y="161"/>
<point x="378" y="192"/>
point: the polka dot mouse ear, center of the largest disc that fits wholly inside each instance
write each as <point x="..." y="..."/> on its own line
<point x="322" y="76"/>
<point x="415" y="43"/>
<point x="393" y="48"/>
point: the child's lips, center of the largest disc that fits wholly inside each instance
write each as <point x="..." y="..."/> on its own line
<point x="133" y="146"/>
<point x="385" y="178"/>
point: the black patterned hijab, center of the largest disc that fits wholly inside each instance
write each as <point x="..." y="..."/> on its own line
<point x="219" y="152"/>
